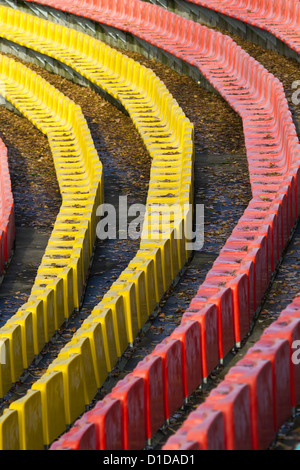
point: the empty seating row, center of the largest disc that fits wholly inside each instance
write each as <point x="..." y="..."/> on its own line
<point x="242" y="412"/>
<point x="83" y="365"/>
<point x="280" y="18"/>
<point x="256" y="397"/>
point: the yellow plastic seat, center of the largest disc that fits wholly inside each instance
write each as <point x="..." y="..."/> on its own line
<point x="47" y="297"/>
<point x="104" y="317"/>
<point x="57" y="285"/>
<point x="14" y="334"/>
<point x="95" y="332"/>
<point x="5" y="367"/>
<point x="71" y="367"/>
<point x="24" y="319"/>
<point x="29" y="410"/>
<point x="9" y="430"/>
<point x="115" y="302"/>
<point x="50" y="386"/>
<point x="127" y="290"/>
<point x="147" y="266"/>
<point x="82" y="346"/>
<point x="139" y="279"/>
<point x="36" y="308"/>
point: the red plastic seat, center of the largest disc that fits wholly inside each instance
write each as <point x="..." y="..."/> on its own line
<point x="207" y="318"/>
<point x="170" y="352"/>
<point x="233" y="400"/>
<point x="203" y="429"/>
<point x="107" y="419"/>
<point x="82" y="436"/>
<point x="130" y="392"/>
<point x="238" y="283"/>
<point x="151" y="370"/>
<point x="257" y="373"/>
<point x="189" y="336"/>
<point x="233" y="263"/>
<point x="222" y="298"/>
<point x="287" y="327"/>
<point x="277" y="351"/>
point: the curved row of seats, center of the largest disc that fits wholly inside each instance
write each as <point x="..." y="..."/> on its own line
<point x="280" y="18"/>
<point x="221" y="313"/>
<point x="58" y="286"/>
<point x="255" y="399"/>
<point x="243" y="412"/>
<point x="7" y="219"/>
<point x="72" y="380"/>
